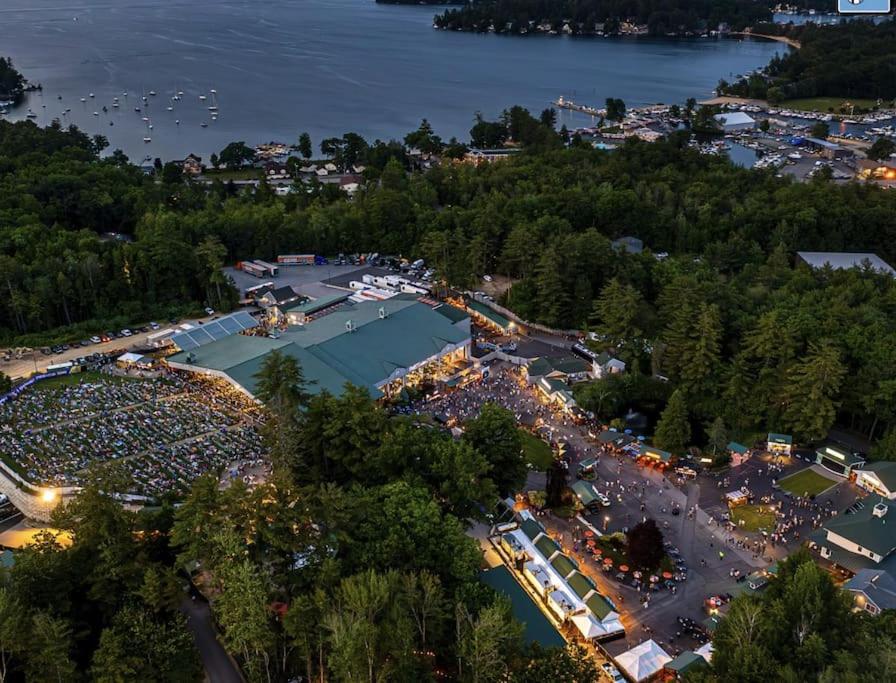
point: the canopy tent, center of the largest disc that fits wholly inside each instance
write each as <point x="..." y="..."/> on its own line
<point x="130" y="358"/>
<point x="643" y="661"/>
<point x="588" y="627"/>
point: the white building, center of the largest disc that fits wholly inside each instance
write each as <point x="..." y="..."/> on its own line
<point x="732" y="121"/>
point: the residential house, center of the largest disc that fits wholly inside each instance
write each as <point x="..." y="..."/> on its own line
<point x="350" y="183"/>
<point x="605" y="365"/>
<point x="191" y="166"/>
<point x="274" y="170"/>
<point x="873" y="590"/>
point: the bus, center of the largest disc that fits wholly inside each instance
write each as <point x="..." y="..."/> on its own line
<point x="252" y="269"/>
<point x="270" y="268"/>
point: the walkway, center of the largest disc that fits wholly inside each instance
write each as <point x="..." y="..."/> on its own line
<point x="780" y="39"/>
<point x="219" y="667"/>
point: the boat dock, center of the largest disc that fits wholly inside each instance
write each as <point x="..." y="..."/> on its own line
<point x="562" y="103"/>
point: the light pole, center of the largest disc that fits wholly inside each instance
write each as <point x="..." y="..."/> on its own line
<point x="606" y="521"/>
<point x="48" y="497"/>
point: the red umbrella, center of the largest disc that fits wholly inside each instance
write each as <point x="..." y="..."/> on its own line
<point x="667" y="575"/>
<point x="590" y="542"/>
<point x="623" y="567"/>
<point x="598" y="552"/>
<point x="588" y="533"/>
<point x="608" y="561"/>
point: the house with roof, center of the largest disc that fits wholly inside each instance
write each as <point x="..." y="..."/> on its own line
<point x="556" y="578"/>
<point x="191" y="165"/>
<point x="738" y="452"/>
<point x="655" y="454"/>
<point x="488" y="317"/>
<point x="557" y="391"/>
<point x="839" y="460"/>
<point x="587" y="494"/>
<point x="864" y="539"/>
<point x="685" y="663"/>
<point x="278" y="296"/>
<point x="879" y="478"/>
<point x="605" y="365"/>
<point x="643" y="662"/>
<point x="873" y="590"/>
<point x="569" y="369"/>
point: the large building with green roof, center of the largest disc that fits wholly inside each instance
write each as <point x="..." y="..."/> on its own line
<point x="377" y="345"/>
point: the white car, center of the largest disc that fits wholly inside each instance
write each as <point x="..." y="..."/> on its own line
<point x="126" y="332"/>
<point x="487" y="278"/>
<point x="154" y="325"/>
<point x="603" y="499"/>
<point x="612" y="672"/>
<point x="95" y="340"/>
<point x="209" y="311"/>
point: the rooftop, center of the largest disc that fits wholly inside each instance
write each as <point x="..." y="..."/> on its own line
<point x="866" y="529"/>
<point x="878" y="585"/>
<point x="844" y="260"/>
<point x="367" y="353"/>
<point x="885" y="471"/>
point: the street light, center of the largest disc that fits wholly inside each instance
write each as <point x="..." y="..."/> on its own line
<point x="48" y="495"/>
<point x="606" y="521"/>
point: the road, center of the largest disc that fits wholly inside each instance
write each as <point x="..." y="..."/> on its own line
<point x="35" y="361"/>
<point x="219" y="667"/>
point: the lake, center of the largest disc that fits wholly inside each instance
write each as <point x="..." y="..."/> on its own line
<point x="281" y="67"/>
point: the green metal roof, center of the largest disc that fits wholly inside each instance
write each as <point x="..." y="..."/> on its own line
<point x="839" y="455"/>
<point x="885" y="471"/>
<point x="292" y="305"/>
<point x="537" y="626"/>
<point x="331" y="355"/>
<point x="737" y="448"/>
<point x="685" y="661"/>
<point x="784" y="439"/>
<point x="580" y="584"/>
<point x="566" y="365"/>
<point x="531" y="528"/>
<point x="866" y="530"/>
<point x="308" y="307"/>
<point x="599" y="606"/>
<point x="454" y="314"/>
<point x="547" y="546"/>
<point x="585" y="492"/>
<point x="489" y="314"/>
<point x="564" y="565"/>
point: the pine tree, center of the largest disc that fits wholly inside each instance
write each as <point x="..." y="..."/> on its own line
<point x="673" y="431"/>
<point x="616" y="313"/>
<point x="813" y="386"/>
<point x="552" y="293"/>
<point x="700" y="363"/>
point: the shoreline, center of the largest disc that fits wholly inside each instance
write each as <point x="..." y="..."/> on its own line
<point x="795" y="44"/>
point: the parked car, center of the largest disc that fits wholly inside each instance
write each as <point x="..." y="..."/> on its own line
<point x="209" y="310"/>
<point x="154" y="325"/>
<point x="612" y="672"/>
<point x="126" y="332"/>
<point x="603" y="499"/>
<point x="95" y="340"/>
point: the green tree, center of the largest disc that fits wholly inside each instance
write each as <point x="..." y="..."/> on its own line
<point x="616" y="313"/>
<point x="48" y="655"/>
<point x="813" y="387"/>
<point x="236" y="155"/>
<point x="820" y="129"/>
<point x="882" y="149"/>
<point x="488" y="644"/>
<point x="673" y="431"/>
<point x="644" y="545"/>
<point x="304" y="146"/>
<point x="495" y="435"/>
<point x="717" y="436"/>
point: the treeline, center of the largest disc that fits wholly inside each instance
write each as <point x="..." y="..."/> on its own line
<point x="661" y="17"/>
<point x="851" y="59"/>
<point x="12" y="83"/>
<point x="800" y="628"/>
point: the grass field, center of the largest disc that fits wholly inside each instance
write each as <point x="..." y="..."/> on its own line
<point x="754" y="517"/>
<point x="807" y="482"/>
<point x="827" y="104"/>
<point x="536" y="452"/>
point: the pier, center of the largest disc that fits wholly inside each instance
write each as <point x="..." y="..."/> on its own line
<point x="561" y="103"/>
<point x="781" y="39"/>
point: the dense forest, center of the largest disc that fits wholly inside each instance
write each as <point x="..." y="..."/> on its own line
<point x="12" y="83"/>
<point x="853" y="59"/>
<point x="726" y="315"/>
<point x="661" y="17"/>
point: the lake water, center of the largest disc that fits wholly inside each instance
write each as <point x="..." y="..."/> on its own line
<point x="325" y="66"/>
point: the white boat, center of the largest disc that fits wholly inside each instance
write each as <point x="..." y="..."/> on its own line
<point x="83" y="99"/>
<point x="204" y="124"/>
<point x="96" y="113"/>
<point x="115" y="105"/>
<point x="91" y="95"/>
<point x="147" y="139"/>
<point x="152" y="92"/>
<point x="202" y="97"/>
<point x="146" y="119"/>
<point x="213" y="91"/>
<point x="213" y="108"/>
<point x="170" y="108"/>
<point x="176" y="122"/>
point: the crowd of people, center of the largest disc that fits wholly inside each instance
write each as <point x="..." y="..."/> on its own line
<point x="170" y="430"/>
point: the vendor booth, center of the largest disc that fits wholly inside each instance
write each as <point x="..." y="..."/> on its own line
<point x="779" y="444"/>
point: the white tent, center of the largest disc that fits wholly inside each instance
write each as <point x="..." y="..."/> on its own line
<point x="588" y="627"/>
<point x="130" y="358"/>
<point x="705" y="652"/>
<point x="643" y="661"/>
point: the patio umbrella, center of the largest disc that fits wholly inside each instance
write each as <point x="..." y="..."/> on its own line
<point x="623" y="567"/>
<point x="654" y="579"/>
<point x="598" y="552"/>
<point x="637" y="575"/>
<point x="667" y="575"/>
<point x="590" y="543"/>
<point x="588" y="533"/>
<point x="608" y="561"/>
